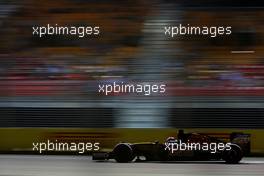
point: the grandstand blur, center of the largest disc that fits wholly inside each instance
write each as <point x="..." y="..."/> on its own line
<point x="46" y="77"/>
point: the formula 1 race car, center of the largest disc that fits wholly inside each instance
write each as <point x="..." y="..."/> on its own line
<point x="187" y="147"/>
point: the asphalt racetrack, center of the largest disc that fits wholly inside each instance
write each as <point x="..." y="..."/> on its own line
<point x="29" y="165"/>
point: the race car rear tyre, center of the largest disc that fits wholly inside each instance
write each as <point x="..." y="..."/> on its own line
<point x="234" y="155"/>
<point x="123" y="153"/>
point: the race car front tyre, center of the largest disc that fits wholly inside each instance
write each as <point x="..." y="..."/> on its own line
<point x="234" y="155"/>
<point x="123" y="153"/>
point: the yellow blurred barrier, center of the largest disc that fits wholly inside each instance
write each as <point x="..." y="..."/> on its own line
<point x="21" y="139"/>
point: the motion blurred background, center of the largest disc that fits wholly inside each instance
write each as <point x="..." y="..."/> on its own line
<point x="51" y="83"/>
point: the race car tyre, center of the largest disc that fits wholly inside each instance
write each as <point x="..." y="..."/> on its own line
<point x="234" y="155"/>
<point x="123" y="153"/>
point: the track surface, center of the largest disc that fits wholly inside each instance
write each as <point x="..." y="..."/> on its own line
<point x="27" y="165"/>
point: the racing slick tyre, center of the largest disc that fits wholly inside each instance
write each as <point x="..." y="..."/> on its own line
<point x="123" y="153"/>
<point x="234" y="155"/>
